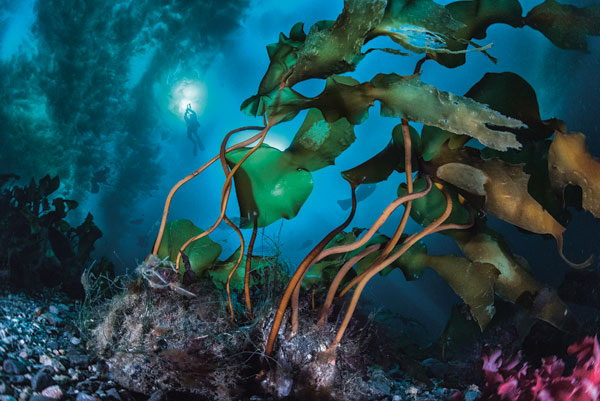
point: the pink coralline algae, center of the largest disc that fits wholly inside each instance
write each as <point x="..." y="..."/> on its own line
<point x="507" y="379"/>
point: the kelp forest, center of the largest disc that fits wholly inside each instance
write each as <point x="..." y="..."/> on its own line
<point x="193" y="322"/>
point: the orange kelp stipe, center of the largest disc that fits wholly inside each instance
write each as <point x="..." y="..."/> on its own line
<point x="224" y="194"/>
<point x="195" y="174"/>
<point x="299" y="273"/>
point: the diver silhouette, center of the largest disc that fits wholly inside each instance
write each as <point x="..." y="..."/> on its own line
<point x="191" y="119"/>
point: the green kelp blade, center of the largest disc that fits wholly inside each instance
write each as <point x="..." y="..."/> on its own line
<point x="424" y="13"/>
<point x="376" y="169"/>
<point x="409" y="97"/>
<point x="419" y="26"/>
<point x="504" y="187"/>
<point x="507" y="93"/>
<point x="433" y="139"/>
<point x="343" y="97"/>
<point x="472" y="281"/>
<point x="201" y="253"/>
<point x="337" y="48"/>
<point x="477" y="16"/>
<point x="515" y="281"/>
<point x="571" y="163"/>
<point x="534" y="158"/>
<point x="565" y="25"/>
<point x="317" y="142"/>
<point x="429" y="208"/>
<point x="269" y="185"/>
<point x="220" y="271"/>
<point x="401" y="96"/>
<point x="282" y="56"/>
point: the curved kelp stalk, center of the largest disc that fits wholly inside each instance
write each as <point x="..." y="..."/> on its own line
<point x="295" y="279"/>
<point x="443" y="227"/>
<point x="179" y="184"/>
<point x="225" y="194"/>
<point x="249" y="267"/>
<point x="337" y="280"/>
<point x="409" y="184"/>
<point x="296" y="292"/>
<point x="373" y="270"/>
<point x="378" y="223"/>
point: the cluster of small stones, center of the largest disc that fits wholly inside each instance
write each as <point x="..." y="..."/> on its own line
<point x="43" y="356"/>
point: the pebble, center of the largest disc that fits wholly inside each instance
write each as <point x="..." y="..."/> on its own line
<point x="13" y="367"/>
<point x="41" y="380"/>
<point x="78" y="359"/>
<point x="53" y="392"/>
<point x="42" y="354"/>
<point x="53" y="345"/>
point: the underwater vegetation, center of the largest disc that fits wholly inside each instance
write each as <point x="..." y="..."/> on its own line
<point x="485" y="152"/>
<point x="38" y="247"/>
<point x="73" y="103"/>
<point x="512" y="380"/>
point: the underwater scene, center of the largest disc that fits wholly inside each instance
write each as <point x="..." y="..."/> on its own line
<point x="299" y="200"/>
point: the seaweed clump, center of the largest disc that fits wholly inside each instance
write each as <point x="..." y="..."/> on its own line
<point x="38" y="247"/>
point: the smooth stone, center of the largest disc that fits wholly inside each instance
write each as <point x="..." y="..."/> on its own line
<point x="52" y="345"/>
<point x="78" y="359"/>
<point x="53" y="392"/>
<point x="41" y="380"/>
<point x="39" y="397"/>
<point x="13" y="367"/>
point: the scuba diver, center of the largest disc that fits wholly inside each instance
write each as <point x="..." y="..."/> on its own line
<point x="191" y="119"/>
